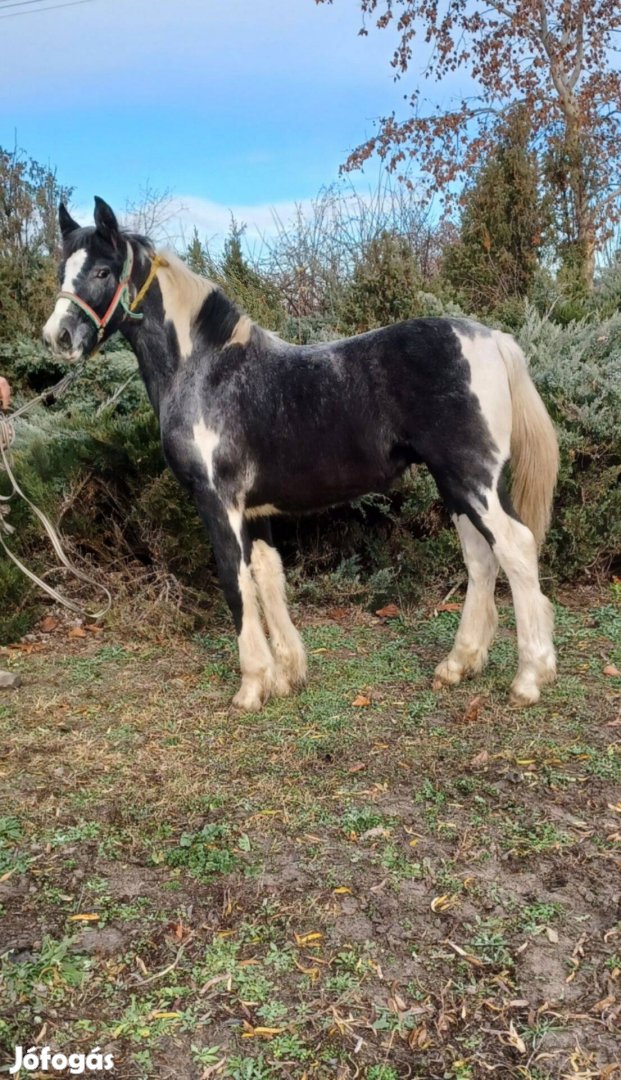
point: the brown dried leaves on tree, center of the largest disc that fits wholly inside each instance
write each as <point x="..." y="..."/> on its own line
<point x="553" y="56"/>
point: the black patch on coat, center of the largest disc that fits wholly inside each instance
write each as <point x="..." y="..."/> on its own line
<point x="216" y="319"/>
<point x="504" y="493"/>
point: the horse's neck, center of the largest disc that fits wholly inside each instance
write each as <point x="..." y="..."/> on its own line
<point x="180" y="313"/>
<point x="158" y="365"/>
<point x="157" y="352"/>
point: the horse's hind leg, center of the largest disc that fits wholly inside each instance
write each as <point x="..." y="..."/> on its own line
<point x="515" y="547"/>
<point x="287" y="647"/>
<point x="479" y="618"/>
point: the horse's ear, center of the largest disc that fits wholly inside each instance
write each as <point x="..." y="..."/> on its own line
<point x="66" y="222"/>
<point x="106" y="223"/>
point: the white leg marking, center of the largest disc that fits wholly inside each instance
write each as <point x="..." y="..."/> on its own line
<point x="255" y="657"/>
<point x="285" y="641"/>
<point x="516" y="550"/>
<point x="479" y="617"/>
<point x="73" y="267"/>
<point x="207" y="441"/>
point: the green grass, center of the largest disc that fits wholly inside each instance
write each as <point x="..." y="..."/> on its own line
<point x="322" y="890"/>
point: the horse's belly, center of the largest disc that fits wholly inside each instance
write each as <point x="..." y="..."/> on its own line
<point x="310" y="485"/>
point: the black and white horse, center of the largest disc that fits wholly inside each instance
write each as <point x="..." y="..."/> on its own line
<point x="253" y="426"/>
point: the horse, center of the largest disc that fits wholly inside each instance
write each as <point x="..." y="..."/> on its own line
<point x="253" y="426"/>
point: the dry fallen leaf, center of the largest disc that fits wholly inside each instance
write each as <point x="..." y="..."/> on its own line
<point x="307" y="939"/>
<point x="480" y="759"/>
<point x="605" y="1003"/>
<point x="77" y="632"/>
<point x="448" y="607"/>
<point x="84" y="918"/>
<point x="338" y="613"/>
<point x="516" y="1040"/>
<point x="375" y="833"/>
<point x="418" y="1038"/>
<point x="390" y="611"/>
<point x="49" y="623"/>
<point x="474" y="960"/>
<point x="358" y="767"/>
<point x="471" y="714"/>
<point x="441" y="904"/>
<point x="611" y="670"/>
<point x="361" y="701"/>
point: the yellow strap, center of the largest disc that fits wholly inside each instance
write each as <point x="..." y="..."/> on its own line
<point x="156" y="262"/>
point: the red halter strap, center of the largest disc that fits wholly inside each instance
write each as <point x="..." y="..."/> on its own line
<point x="121" y="297"/>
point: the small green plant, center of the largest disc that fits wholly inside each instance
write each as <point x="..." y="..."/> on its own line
<point x="290" y="1047"/>
<point x="248" y="1068"/>
<point x="490" y="945"/>
<point x="206" y="1055"/>
<point x="381" y="1072"/>
<point x="56" y="971"/>
<point x="203" y="853"/>
<point x="11" y="860"/>
<point x="360" y="819"/>
<point x="535" y="916"/>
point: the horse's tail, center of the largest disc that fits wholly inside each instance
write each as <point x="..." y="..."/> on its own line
<point x="534" y="446"/>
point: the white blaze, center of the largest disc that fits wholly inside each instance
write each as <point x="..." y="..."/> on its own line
<point x="73" y="267"/>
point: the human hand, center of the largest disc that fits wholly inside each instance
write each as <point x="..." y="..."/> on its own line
<point x="5" y="393"/>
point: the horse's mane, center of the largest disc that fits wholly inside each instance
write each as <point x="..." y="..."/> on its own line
<point x="190" y="288"/>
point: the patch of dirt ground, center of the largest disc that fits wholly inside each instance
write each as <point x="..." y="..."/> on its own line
<point x="367" y="880"/>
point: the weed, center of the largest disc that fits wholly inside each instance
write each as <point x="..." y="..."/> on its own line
<point x="202" y="853"/>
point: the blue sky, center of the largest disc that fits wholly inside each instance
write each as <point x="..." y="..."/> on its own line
<point x="232" y="104"/>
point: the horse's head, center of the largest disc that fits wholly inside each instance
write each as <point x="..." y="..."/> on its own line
<point x="95" y="275"/>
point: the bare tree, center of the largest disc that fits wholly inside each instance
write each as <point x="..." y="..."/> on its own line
<point x="312" y="256"/>
<point x="554" y="56"/>
<point x="153" y="214"/>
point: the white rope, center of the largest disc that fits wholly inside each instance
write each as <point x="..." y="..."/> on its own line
<point x="7" y="437"/>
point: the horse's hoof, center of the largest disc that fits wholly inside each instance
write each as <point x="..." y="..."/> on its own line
<point x="446" y="674"/>
<point x="249" y="699"/>
<point x="524" y="692"/>
<point x="281" y="684"/>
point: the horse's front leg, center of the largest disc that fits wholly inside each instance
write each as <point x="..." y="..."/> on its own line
<point x="232" y="549"/>
<point x="286" y="643"/>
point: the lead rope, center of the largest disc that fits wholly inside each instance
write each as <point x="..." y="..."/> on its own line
<point x="7" y="437"/>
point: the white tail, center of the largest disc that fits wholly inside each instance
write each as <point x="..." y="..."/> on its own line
<point x="534" y="446"/>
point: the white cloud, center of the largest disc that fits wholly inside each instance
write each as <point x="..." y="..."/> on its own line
<point x="213" y="219"/>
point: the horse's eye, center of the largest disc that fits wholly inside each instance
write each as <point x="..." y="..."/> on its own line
<point x="103" y="272"/>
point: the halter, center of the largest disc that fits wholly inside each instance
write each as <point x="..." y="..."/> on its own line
<point x="121" y="295"/>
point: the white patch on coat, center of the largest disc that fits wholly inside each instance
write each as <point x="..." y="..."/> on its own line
<point x="286" y="643"/>
<point x="241" y="333"/>
<point x="73" y="268"/>
<point x="183" y="294"/>
<point x="490" y="384"/>
<point x="207" y="441"/>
